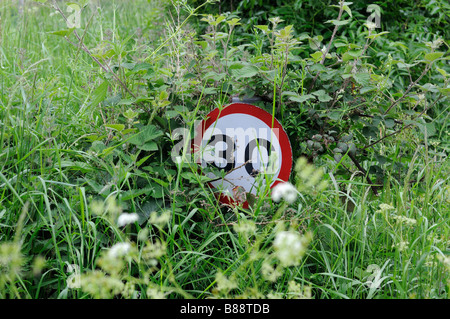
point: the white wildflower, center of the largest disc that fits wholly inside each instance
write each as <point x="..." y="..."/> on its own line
<point x="290" y="247"/>
<point x="74" y="280"/>
<point x="225" y="283"/>
<point x="245" y="227"/>
<point x="119" y="250"/>
<point x="401" y="246"/>
<point x="160" y="219"/>
<point x="370" y="25"/>
<point x="284" y="191"/>
<point x="269" y="272"/>
<point x="125" y="219"/>
<point x="384" y="207"/>
<point x="405" y="220"/>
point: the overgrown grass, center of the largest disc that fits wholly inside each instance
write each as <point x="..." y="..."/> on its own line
<point x="62" y="189"/>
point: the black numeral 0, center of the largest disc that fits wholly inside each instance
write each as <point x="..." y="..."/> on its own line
<point x="256" y="143"/>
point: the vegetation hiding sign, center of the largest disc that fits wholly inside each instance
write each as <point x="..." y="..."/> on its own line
<point x="242" y="147"/>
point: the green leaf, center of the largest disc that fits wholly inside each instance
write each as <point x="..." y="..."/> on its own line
<point x="374" y="36"/>
<point x="148" y="146"/>
<point x="247" y="71"/>
<point x="322" y="96"/>
<point x="302" y="98"/>
<point x="141" y="66"/>
<point x="368" y="88"/>
<point x="362" y="78"/>
<point x="211" y="90"/>
<point x="347" y="9"/>
<point x="433" y="56"/>
<point x="148" y="133"/>
<point x="390" y="123"/>
<point x="430" y="128"/>
<point x="445" y="91"/>
<point x="63" y="33"/>
<point x="317" y="56"/>
<point x="335" y="115"/>
<point x="264" y="28"/>
<point x="127" y="195"/>
<point x="116" y="127"/>
<point x="370" y="131"/>
<point x="99" y="93"/>
<point x="339" y="22"/>
<point x="443" y="72"/>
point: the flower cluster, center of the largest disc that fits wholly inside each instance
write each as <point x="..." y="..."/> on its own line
<point x="284" y="191"/>
<point x="290" y="247"/>
<point x="405" y="220"/>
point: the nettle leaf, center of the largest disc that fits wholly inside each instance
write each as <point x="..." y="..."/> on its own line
<point x="148" y="146"/>
<point x="362" y="78"/>
<point x="390" y="123"/>
<point x="370" y="131"/>
<point x="302" y="98"/>
<point x="264" y="28"/>
<point x="210" y="90"/>
<point x="144" y="139"/>
<point x="63" y="33"/>
<point x="445" y="91"/>
<point x="339" y="22"/>
<point x="246" y="71"/>
<point x="368" y="88"/>
<point x="335" y="115"/>
<point x="99" y="93"/>
<point x="116" y="127"/>
<point x="317" y="56"/>
<point x="142" y="66"/>
<point x="433" y="56"/>
<point x="374" y="36"/>
<point x="322" y="96"/>
<point x="427" y="128"/>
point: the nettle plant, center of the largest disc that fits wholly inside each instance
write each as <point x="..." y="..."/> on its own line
<point x="341" y="99"/>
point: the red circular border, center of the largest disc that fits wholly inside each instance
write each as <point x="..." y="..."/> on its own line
<point x="244" y="108"/>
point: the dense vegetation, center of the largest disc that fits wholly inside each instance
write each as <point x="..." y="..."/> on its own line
<point x="93" y="206"/>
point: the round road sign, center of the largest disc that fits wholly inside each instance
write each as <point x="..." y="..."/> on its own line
<point x="245" y="147"/>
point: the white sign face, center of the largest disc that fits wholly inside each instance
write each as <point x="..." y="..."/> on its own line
<point x="241" y="151"/>
<point x="243" y="142"/>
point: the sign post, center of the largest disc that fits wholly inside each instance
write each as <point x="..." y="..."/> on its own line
<point x="245" y="147"/>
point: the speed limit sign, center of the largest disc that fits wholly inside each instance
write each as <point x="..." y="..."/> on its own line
<point x="242" y="147"/>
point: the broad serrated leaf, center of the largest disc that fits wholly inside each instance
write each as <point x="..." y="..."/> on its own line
<point x="322" y="96"/>
<point x="317" y="56"/>
<point x="302" y="98"/>
<point x="148" y="146"/>
<point x="335" y="115"/>
<point x="374" y="36"/>
<point x="390" y="123"/>
<point x="264" y="28"/>
<point x="362" y="78"/>
<point x="339" y="22"/>
<point x="428" y="128"/>
<point x="116" y="127"/>
<point x="147" y="133"/>
<point x="433" y="56"/>
<point x="99" y="93"/>
<point x="63" y="33"/>
<point x="245" y="72"/>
